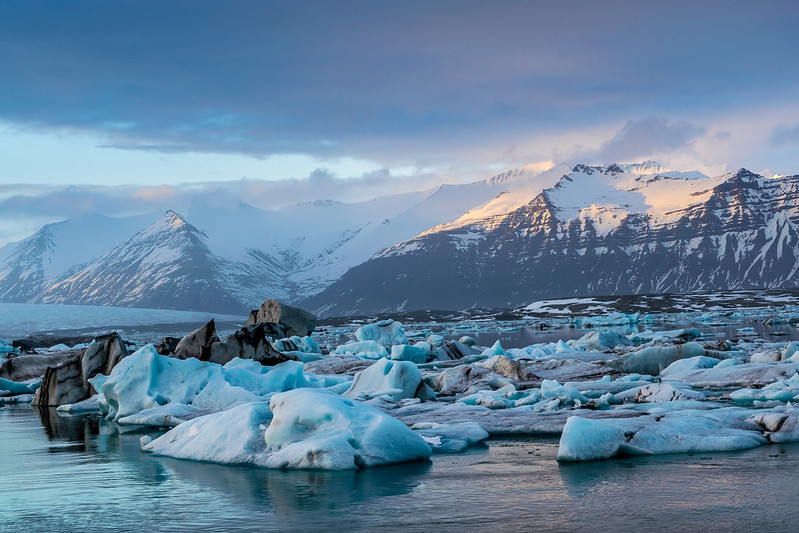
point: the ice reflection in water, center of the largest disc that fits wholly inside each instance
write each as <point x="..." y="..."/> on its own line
<point x="68" y="474"/>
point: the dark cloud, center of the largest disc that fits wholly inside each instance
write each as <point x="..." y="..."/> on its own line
<point x="402" y="80"/>
<point x="648" y="137"/>
<point x="784" y="135"/>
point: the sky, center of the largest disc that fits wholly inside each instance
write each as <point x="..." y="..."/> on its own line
<point x="106" y="106"/>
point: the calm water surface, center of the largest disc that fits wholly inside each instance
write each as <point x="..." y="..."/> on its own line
<point x="83" y="474"/>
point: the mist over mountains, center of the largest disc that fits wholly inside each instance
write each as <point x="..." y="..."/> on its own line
<point x="501" y="242"/>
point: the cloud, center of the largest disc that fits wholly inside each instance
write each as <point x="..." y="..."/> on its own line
<point x="25" y="208"/>
<point x="784" y="135"/>
<point x="391" y="82"/>
<point x="647" y="138"/>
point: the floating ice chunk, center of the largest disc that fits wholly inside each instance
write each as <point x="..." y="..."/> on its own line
<point x="24" y="387"/>
<point x="740" y="375"/>
<point x="496" y="349"/>
<point x="726" y="362"/>
<point x="654" y="359"/>
<point x="451" y="438"/>
<point x="599" y="340"/>
<point x="19" y="398"/>
<point x="587" y="440"/>
<point x="437" y="340"/>
<point x="146" y="380"/>
<point x="489" y="398"/>
<point x="681" y="431"/>
<point x="397" y="379"/>
<point x="690" y="363"/>
<point x="370" y="349"/>
<point x="316" y="429"/>
<point x="562" y="347"/>
<point x="88" y="405"/>
<point x="665" y="392"/>
<point x="685" y="334"/>
<point x="7" y="347"/>
<point x="612" y="319"/>
<point x="467" y="340"/>
<point x="786" y="390"/>
<point x="416" y="353"/>
<point x="385" y="332"/>
<point x="468" y="379"/>
<point x="595" y="389"/>
<point x="766" y="355"/>
<point x="789" y="353"/>
<point x="234" y="436"/>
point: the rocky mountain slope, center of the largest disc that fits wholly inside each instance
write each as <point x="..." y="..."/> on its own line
<point x="588" y="231"/>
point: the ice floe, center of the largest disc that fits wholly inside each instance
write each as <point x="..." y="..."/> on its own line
<point x="302" y="428"/>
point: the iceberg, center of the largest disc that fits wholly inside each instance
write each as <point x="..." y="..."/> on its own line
<point x="321" y="430"/>
<point x="416" y="353"/>
<point x="234" y="436"/>
<point x="716" y="430"/>
<point x="147" y="380"/>
<point x="612" y="319"/>
<point x="385" y="332"/>
<point x="654" y="359"/>
<point x="395" y="379"/>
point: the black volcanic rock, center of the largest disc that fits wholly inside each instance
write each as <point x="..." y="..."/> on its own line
<point x="69" y="382"/>
<point x="250" y="342"/>
<point x="294" y="320"/>
<point x="198" y="343"/>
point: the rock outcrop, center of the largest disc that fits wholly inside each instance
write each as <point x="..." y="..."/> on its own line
<point x="198" y="343"/>
<point x="250" y="342"/>
<point x="296" y="321"/>
<point x="69" y="382"/>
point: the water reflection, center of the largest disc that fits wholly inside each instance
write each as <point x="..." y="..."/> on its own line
<point x="255" y="489"/>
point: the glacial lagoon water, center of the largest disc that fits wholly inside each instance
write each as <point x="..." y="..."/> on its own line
<point x="84" y="474"/>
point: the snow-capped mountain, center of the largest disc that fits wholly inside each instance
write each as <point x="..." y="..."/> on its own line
<point x="588" y="231"/>
<point x="223" y="256"/>
<point x="167" y="265"/>
<point x="59" y="250"/>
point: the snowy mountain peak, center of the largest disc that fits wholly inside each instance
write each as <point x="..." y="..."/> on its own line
<point x="644" y="167"/>
<point x="173" y="220"/>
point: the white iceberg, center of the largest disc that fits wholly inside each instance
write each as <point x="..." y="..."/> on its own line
<point x="385" y="332"/>
<point x="681" y="431"/>
<point x="146" y="381"/>
<point x="320" y="430"/>
<point x="416" y="353"/>
<point x="395" y="379"/>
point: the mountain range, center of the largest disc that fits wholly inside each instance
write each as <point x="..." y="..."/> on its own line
<point x="501" y="242"/>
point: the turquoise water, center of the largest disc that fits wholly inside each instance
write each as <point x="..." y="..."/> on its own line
<point x="83" y="474"/>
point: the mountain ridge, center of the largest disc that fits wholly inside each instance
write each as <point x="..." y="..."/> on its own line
<point x="596" y="231"/>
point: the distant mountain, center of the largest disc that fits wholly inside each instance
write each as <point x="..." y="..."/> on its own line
<point x="167" y="265"/>
<point x="588" y="230"/>
<point x="58" y="250"/>
<point x="223" y="256"/>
